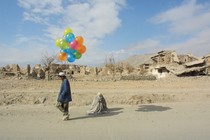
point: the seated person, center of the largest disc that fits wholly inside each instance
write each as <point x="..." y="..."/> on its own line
<point x="98" y="105"/>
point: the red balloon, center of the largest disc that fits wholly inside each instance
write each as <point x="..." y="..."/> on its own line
<point x="74" y="45"/>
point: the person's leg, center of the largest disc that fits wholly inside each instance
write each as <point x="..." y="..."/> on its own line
<point x="66" y="111"/>
<point x="66" y="108"/>
<point x="60" y="106"/>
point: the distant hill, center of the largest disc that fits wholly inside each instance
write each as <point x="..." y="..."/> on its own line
<point x="137" y="60"/>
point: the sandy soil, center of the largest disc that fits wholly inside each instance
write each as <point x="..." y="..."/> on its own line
<point x="172" y="108"/>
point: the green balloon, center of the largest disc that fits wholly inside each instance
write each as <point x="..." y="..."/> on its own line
<point x="63" y="44"/>
<point x="77" y="55"/>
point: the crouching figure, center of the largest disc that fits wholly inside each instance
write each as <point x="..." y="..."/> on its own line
<point x="98" y="106"/>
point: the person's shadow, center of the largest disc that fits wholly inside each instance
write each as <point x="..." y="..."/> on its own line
<point x="111" y="112"/>
<point x="150" y="108"/>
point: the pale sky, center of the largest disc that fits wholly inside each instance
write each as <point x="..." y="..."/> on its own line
<point x="121" y="28"/>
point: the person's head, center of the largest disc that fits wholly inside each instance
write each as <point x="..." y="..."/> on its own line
<point x="62" y="75"/>
<point x="99" y="94"/>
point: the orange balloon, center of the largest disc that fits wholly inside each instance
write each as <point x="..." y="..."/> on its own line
<point x="81" y="49"/>
<point x="62" y="56"/>
<point x="79" y="39"/>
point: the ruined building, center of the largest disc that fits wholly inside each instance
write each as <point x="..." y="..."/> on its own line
<point x="168" y="62"/>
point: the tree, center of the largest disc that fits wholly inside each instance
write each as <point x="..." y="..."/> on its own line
<point x="47" y="59"/>
<point x="110" y="64"/>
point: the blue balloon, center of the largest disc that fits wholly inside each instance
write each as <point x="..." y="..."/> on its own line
<point x="71" y="58"/>
<point x="69" y="37"/>
<point x="69" y="51"/>
<point x="61" y="50"/>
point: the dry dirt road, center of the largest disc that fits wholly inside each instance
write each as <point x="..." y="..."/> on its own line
<point x="166" y="109"/>
<point x="165" y="121"/>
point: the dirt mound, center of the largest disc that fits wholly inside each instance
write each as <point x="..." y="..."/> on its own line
<point x="130" y="92"/>
<point x="153" y="98"/>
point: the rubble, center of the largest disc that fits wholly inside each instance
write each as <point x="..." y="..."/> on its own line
<point x="138" y="77"/>
<point x="167" y="62"/>
<point x="161" y="65"/>
<point x="40" y="100"/>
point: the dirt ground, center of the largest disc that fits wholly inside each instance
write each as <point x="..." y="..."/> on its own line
<point x="170" y="108"/>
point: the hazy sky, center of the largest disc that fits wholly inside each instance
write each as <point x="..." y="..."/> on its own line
<point x="120" y="28"/>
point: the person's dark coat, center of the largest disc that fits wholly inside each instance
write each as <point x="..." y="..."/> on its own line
<point x="65" y="92"/>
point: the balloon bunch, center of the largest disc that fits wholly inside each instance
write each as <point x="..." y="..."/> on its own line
<point x="71" y="47"/>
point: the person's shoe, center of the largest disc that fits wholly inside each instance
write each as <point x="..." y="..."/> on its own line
<point x="66" y="117"/>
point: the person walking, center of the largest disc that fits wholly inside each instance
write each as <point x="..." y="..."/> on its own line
<point x="64" y="96"/>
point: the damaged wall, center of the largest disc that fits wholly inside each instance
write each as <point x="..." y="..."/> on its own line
<point x="165" y="57"/>
<point x="181" y="65"/>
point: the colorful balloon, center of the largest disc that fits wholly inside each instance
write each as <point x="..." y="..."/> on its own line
<point x="67" y="30"/>
<point x="79" y="39"/>
<point x="81" y="49"/>
<point x="77" y="55"/>
<point x="62" y="56"/>
<point x="63" y="44"/>
<point x="73" y="45"/>
<point x="71" y="58"/>
<point x="69" y="37"/>
<point x="69" y="51"/>
<point x="57" y="42"/>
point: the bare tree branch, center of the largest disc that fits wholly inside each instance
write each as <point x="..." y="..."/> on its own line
<point x="47" y="59"/>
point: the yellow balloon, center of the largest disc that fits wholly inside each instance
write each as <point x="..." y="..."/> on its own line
<point x="57" y="42"/>
<point x="67" y="30"/>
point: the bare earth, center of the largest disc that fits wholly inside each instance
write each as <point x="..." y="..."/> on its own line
<point x="166" y="109"/>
